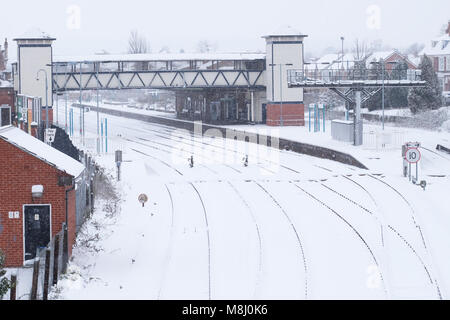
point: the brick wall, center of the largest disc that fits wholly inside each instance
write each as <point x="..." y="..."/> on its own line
<point x="19" y="171"/>
<point x="293" y="114"/>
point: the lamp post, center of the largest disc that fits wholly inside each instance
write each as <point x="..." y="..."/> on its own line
<point x="46" y="95"/>
<point x="342" y="58"/>
<point x="281" y="88"/>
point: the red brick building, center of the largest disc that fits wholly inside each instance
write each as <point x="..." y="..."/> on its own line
<point x="7" y="97"/>
<point x="439" y="52"/>
<point x="35" y="199"/>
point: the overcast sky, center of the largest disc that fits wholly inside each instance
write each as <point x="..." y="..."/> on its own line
<point x="233" y="25"/>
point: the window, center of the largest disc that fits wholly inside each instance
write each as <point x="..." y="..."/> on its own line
<point x="5" y="116"/>
<point x="441" y="63"/>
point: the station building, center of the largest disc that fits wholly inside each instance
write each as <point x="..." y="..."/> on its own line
<point x="37" y="195"/>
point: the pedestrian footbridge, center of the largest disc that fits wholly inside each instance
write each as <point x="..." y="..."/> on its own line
<point x="160" y="71"/>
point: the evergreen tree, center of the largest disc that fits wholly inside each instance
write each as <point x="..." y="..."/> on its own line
<point x="398" y="97"/>
<point x="5" y="284"/>
<point x="426" y="98"/>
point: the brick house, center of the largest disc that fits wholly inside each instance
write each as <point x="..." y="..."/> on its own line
<point x="7" y="97"/>
<point x="439" y="53"/>
<point x="36" y="195"/>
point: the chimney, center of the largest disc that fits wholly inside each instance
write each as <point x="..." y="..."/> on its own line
<point x="6" y="49"/>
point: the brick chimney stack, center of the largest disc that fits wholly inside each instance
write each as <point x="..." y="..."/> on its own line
<point x="6" y="49"/>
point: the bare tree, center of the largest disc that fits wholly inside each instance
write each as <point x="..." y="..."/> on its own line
<point x="362" y="51"/>
<point x="137" y="43"/>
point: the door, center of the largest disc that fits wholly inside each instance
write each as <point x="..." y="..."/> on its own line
<point x="37" y="229"/>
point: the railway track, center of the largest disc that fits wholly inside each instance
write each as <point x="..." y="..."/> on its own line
<point x="209" y="241"/>
<point x="170" y="248"/>
<point x="389" y="228"/>
<point x="169" y="136"/>
<point x="358" y="234"/>
<point x="305" y="266"/>
<point x="422" y="236"/>
<point x="258" y="232"/>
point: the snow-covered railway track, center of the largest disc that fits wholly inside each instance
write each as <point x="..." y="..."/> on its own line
<point x="170" y="246"/>
<point x="157" y="159"/>
<point x="208" y="238"/>
<point x="297" y="234"/>
<point x="389" y="227"/>
<point x="422" y="236"/>
<point x="168" y="135"/>
<point x="258" y="232"/>
<point x="358" y="234"/>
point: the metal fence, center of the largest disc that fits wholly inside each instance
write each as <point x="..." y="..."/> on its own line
<point x="48" y="266"/>
<point x="363" y="74"/>
<point x="85" y="190"/>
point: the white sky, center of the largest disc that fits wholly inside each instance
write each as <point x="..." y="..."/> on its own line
<point x="233" y="25"/>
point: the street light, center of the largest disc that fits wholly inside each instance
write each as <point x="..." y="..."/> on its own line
<point x="46" y="95"/>
<point x="281" y="88"/>
<point x="342" y="39"/>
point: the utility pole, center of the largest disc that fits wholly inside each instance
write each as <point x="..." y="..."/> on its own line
<point x="98" y="114"/>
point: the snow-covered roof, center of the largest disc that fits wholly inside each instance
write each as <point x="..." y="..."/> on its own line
<point x="161" y="57"/>
<point x="34" y="33"/>
<point x="286" y="31"/>
<point x="5" y="84"/>
<point x="42" y="151"/>
<point x="438" y="46"/>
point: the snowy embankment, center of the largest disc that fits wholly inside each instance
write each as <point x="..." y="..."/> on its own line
<point x="288" y="226"/>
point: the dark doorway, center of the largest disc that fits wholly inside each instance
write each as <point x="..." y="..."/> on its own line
<point x="264" y="113"/>
<point x="37" y="229"/>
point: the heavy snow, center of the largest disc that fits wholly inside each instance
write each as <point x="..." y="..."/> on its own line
<point x="288" y="226"/>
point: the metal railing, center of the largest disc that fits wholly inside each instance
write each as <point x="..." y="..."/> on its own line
<point x="353" y="75"/>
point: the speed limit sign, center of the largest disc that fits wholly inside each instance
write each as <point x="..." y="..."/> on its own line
<point x="413" y="155"/>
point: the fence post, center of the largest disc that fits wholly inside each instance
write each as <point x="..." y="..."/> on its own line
<point x="47" y="273"/>
<point x="12" y="294"/>
<point x="56" y="260"/>
<point x="65" y="249"/>
<point x="34" y="285"/>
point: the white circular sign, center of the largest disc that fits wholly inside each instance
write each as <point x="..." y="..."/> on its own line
<point x="143" y="199"/>
<point x="413" y="155"/>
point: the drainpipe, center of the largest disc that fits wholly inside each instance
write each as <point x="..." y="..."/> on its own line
<point x="66" y="231"/>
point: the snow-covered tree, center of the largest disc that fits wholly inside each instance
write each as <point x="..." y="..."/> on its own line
<point x="426" y="98"/>
<point x="5" y="284"/>
<point x="138" y="44"/>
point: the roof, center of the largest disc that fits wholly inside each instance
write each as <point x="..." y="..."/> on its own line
<point x="438" y="46"/>
<point x="34" y="34"/>
<point x="286" y="31"/>
<point x="42" y="151"/>
<point x="5" y="84"/>
<point x="161" y="57"/>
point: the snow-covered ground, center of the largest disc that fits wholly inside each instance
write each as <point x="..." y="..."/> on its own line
<point x="288" y="226"/>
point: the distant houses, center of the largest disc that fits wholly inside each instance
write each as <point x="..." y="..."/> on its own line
<point x="439" y="51"/>
<point x="328" y="64"/>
